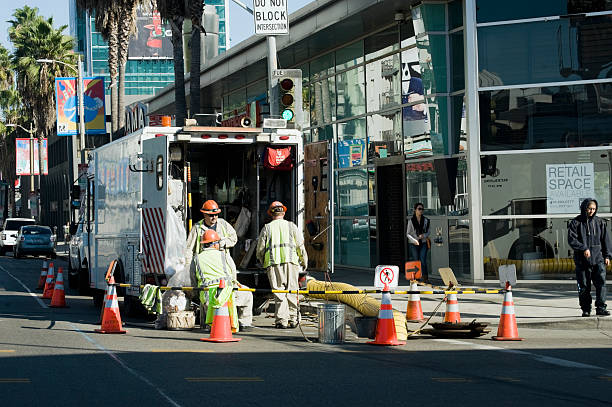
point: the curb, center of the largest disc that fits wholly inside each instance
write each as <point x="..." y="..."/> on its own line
<point x="594" y="322"/>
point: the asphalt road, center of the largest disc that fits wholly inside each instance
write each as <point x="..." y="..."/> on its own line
<point x="53" y="357"/>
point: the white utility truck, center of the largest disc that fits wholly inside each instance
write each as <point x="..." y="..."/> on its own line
<point x="138" y="182"/>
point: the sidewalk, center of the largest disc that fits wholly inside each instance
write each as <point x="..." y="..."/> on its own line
<point x="535" y="306"/>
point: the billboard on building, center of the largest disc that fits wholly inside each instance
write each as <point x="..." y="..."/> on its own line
<point x="66" y="106"/>
<point x="153" y="39"/>
<point x="22" y="159"/>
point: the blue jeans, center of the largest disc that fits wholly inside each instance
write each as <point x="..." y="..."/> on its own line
<point x="584" y="275"/>
<point x="420" y="253"/>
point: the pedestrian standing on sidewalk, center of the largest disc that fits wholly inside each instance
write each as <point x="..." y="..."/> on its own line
<point x="418" y="233"/>
<point x="280" y="248"/>
<point x="588" y="236"/>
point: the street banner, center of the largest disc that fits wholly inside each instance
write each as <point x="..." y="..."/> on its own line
<point x="66" y="106"/>
<point x="22" y="162"/>
<point x="153" y="38"/>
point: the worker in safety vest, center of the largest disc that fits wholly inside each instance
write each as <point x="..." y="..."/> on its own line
<point x="214" y="264"/>
<point x="280" y="248"/>
<point x="211" y="220"/>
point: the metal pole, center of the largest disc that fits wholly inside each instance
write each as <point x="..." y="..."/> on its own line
<point x="40" y="171"/>
<point x="31" y="159"/>
<point x="272" y="66"/>
<point x="81" y="110"/>
<point x="332" y="205"/>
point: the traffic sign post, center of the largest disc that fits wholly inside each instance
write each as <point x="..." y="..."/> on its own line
<point x="386" y="276"/>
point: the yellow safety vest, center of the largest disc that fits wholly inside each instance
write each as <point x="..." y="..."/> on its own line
<point x="200" y="225"/>
<point x="281" y="244"/>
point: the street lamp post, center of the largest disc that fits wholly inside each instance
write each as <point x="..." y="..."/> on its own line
<point x="80" y="92"/>
<point x="78" y="69"/>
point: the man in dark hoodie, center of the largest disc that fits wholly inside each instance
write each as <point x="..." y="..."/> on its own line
<point x="588" y="236"/>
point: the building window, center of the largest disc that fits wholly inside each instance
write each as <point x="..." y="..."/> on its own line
<point x="323" y="101"/>
<point x="567" y="49"/>
<point x="529" y="184"/>
<point x="351" y="93"/>
<point x="383" y="82"/>
<point x="547" y="117"/>
<point x="495" y="10"/>
<point x="384" y="135"/>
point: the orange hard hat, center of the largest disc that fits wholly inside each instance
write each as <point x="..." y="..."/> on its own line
<point x="276" y="207"/>
<point x="210" y="236"/>
<point x="210" y="207"/>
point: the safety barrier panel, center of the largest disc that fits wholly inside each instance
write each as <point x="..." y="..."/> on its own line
<point x="319" y="292"/>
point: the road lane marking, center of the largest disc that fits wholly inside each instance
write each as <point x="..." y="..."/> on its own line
<point x="14" y="380"/>
<point x="451" y="379"/>
<point x="116" y="358"/>
<point x="7" y="350"/>
<point x="182" y="351"/>
<point x="223" y="379"/>
<point x="540" y="358"/>
<point x="507" y="379"/>
<point x="34" y="295"/>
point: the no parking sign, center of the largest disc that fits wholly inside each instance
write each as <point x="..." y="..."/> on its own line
<point x="386" y="275"/>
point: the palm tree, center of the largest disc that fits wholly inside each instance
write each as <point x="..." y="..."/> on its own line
<point x="127" y="28"/>
<point x="33" y="39"/>
<point x="11" y="106"/>
<point x="196" y="7"/>
<point x="174" y="11"/>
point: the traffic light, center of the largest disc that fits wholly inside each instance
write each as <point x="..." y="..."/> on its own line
<point x="288" y="96"/>
<point x="75" y="196"/>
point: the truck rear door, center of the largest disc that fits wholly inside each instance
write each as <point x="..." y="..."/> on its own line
<point x="153" y="214"/>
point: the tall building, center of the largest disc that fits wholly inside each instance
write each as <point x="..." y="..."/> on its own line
<point x="150" y="65"/>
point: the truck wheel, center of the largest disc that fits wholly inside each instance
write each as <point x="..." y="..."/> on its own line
<point x="98" y="298"/>
<point x="73" y="278"/>
<point x="83" y="281"/>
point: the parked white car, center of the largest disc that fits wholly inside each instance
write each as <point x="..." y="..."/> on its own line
<point x="9" y="231"/>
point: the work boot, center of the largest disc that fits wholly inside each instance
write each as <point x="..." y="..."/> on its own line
<point x="278" y="325"/>
<point x="602" y="312"/>
<point x="245" y="328"/>
<point x="586" y="313"/>
<point x="292" y="324"/>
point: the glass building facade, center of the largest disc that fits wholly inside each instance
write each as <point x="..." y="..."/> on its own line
<point x="479" y="109"/>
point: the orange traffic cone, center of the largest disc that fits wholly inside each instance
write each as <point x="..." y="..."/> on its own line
<point x="414" y="312"/>
<point x="111" y="319"/>
<point x="43" y="275"/>
<point x="221" y="330"/>
<point x="452" y="314"/>
<point x="507" y="329"/>
<point x="59" y="299"/>
<point x="385" y="326"/>
<point x="49" y="283"/>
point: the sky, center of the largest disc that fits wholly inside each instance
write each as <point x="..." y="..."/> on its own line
<point x="241" y="22"/>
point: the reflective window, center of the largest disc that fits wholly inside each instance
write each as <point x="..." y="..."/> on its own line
<point x="455" y="14"/>
<point x="351" y="146"/>
<point x="522" y="184"/>
<point x="537" y="247"/>
<point x="351" y="93"/>
<point x="353" y="244"/>
<point x="384" y="135"/>
<point x="322" y="101"/>
<point x="548" y="117"/>
<point x="422" y="186"/>
<point x="323" y="133"/>
<point x="495" y="10"/>
<point x="384" y="84"/>
<point x="352" y="192"/>
<point x="457" y="61"/>
<point x="459" y="246"/>
<point x="568" y="49"/>
<point x="349" y="56"/>
<point x="381" y="43"/>
<point x="322" y="66"/>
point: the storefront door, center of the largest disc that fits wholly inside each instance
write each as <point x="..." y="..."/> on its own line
<point x="391" y="214"/>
